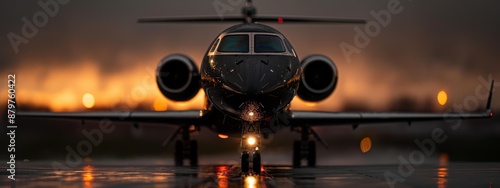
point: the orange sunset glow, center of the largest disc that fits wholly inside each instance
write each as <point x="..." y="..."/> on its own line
<point x="117" y="66"/>
<point x="75" y="88"/>
<point x="83" y="85"/>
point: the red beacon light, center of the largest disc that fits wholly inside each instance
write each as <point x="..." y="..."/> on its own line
<point x="491" y="114"/>
<point x="280" y="20"/>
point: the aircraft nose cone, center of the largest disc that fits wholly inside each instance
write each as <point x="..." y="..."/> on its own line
<point x="255" y="75"/>
<point x="251" y="82"/>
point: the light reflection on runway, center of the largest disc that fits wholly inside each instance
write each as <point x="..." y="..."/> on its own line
<point x="442" y="171"/>
<point x="126" y="175"/>
<point x="222" y="176"/>
<point x="88" y="177"/>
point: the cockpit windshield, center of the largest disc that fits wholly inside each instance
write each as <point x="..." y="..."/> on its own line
<point x="268" y="44"/>
<point x="234" y="43"/>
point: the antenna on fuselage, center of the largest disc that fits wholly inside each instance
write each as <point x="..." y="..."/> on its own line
<point x="248" y="12"/>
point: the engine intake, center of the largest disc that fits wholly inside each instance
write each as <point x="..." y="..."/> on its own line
<point x="318" y="79"/>
<point x="178" y="77"/>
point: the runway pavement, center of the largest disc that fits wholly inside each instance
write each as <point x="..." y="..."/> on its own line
<point x="124" y="174"/>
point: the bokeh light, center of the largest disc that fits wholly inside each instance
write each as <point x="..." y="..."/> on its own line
<point x="442" y="98"/>
<point x="365" y="144"/>
<point x="160" y="104"/>
<point x="223" y="136"/>
<point x="88" y="100"/>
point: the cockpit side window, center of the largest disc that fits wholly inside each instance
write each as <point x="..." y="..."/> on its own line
<point x="212" y="49"/>
<point x="268" y="44"/>
<point x="234" y="43"/>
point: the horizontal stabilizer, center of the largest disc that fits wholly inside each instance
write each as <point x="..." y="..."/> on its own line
<point x="264" y="19"/>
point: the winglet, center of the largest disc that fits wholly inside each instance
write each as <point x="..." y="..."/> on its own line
<point x="488" y="105"/>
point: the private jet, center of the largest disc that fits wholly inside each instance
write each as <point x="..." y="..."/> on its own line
<point x="250" y="73"/>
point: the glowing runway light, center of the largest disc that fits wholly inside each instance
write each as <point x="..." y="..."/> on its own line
<point x="88" y="100"/>
<point x="442" y="98"/>
<point x="365" y="144"/>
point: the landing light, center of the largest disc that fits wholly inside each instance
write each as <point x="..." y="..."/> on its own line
<point x="250" y="181"/>
<point x="251" y="141"/>
<point x="250" y="114"/>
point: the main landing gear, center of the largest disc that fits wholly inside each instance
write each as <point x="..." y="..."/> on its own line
<point x="250" y="144"/>
<point x="305" y="148"/>
<point x="185" y="148"/>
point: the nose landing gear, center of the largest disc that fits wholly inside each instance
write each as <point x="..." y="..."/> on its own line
<point x="250" y="144"/>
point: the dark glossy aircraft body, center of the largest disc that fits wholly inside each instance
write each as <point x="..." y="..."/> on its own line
<point x="250" y="85"/>
<point x="250" y="74"/>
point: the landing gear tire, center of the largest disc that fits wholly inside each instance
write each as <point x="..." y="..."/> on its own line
<point x="186" y="150"/>
<point x="297" y="157"/>
<point x="256" y="163"/>
<point x="245" y="161"/>
<point x="178" y="153"/>
<point x="311" y="153"/>
<point x="193" y="153"/>
<point x="304" y="150"/>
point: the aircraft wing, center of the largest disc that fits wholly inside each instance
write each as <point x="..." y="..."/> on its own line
<point x="191" y="117"/>
<point x="356" y="118"/>
<point x="312" y="118"/>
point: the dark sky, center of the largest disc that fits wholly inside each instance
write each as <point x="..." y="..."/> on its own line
<point x="97" y="47"/>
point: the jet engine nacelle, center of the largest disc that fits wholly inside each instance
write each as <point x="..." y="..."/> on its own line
<point x="318" y="79"/>
<point x="178" y="77"/>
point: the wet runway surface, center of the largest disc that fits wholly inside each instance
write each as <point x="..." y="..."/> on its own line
<point x="130" y="175"/>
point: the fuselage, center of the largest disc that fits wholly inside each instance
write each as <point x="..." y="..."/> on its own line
<point x="249" y="73"/>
